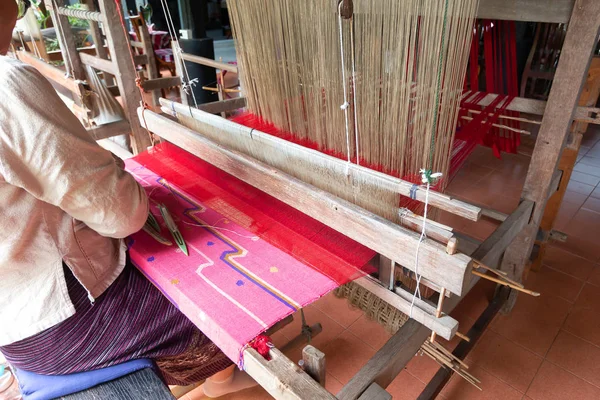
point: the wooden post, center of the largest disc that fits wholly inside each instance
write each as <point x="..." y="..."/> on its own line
<point x="118" y="44"/>
<point x="314" y="364"/>
<point x="180" y="72"/>
<point x="66" y="39"/>
<point x="99" y="42"/>
<point x="570" y="75"/>
<point x="386" y="272"/>
<point x="589" y="97"/>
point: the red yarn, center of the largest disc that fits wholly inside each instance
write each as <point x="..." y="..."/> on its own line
<point x="262" y="344"/>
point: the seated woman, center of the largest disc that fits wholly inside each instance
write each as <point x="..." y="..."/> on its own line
<point x="70" y="302"/>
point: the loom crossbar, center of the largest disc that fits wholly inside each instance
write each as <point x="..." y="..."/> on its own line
<point x="400" y="186"/>
<point x="450" y="271"/>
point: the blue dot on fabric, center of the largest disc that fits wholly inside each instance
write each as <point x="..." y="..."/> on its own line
<point x="240" y="283"/>
<point x="150" y="259"/>
<point x="130" y="243"/>
<point x="210" y="244"/>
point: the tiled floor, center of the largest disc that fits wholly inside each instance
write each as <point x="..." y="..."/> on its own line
<point x="547" y="348"/>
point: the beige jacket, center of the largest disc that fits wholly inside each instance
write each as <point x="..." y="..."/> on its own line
<point x="62" y="198"/>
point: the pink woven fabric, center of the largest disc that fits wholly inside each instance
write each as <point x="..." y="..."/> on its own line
<point x="233" y="285"/>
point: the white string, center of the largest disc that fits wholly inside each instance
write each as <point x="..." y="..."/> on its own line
<point x="172" y="31"/>
<point x="344" y="106"/>
<point x="355" y="105"/>
<point x="421" y="239"/>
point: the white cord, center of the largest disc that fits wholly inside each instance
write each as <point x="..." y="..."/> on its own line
<point x="354" y="90"/>
<point x="346" y="104"/>
<point x="421" y="239"/>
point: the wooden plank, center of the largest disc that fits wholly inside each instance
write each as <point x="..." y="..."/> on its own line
<point x="575" y="59"/>
<point x="66" y="39"/>
<point x="115" y="149"/>
<point x="209" y="62"/>
<point x="140" y="59"/>
<point x="51" y="72"/>
<point x="212" y="124"/>
<point x="493" y="247"/>
<point x="314" y="364"/>
<point x="387" y="363"/>
<point x="217" y="107"/>
<point x="98" y="63"/>
<point x="161" y="83"/>
<point x="281" y="378"/>
<point x="377" y="233"/>
<point x="442" y="376"/>
<point x="151" y="67"/>
<point x="538" y="107"/>
<point x="118" y="43"/>
<point x="375" y="392"/>
<point x="98" y="39"/>
<point x="110" y="130"/>
<point x="422" y="312"/>
<point x="558" y="11"/>
<point x="386" y="272"/>
<point x="589" y="96"/>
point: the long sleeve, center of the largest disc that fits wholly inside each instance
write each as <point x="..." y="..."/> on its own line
<point x="47" y="152"/>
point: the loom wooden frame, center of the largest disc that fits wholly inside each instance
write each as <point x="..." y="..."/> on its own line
<point x="389" y="361"/>
<point x="282" y="378"/>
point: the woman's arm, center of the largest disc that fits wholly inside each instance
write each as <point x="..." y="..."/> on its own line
<point x="46" y="151"/>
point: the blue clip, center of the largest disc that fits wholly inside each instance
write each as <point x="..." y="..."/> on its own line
<point x="413" y="191"/>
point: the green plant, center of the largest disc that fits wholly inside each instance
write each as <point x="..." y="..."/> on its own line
<point x="41" y="16"/>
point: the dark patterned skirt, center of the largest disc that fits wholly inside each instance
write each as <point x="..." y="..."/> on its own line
<point x="131" y="320"/>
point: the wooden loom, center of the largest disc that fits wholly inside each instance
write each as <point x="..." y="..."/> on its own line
<point x="281" y="377"/>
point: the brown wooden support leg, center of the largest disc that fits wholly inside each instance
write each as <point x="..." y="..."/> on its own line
<point x="589" y="97"/>
<point x="570" y="76"/>
<point x="314" y="364"/>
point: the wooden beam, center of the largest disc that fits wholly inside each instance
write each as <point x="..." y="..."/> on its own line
<point x="209" y="62"/>
<point x="208" y="124"/>
<point x="151" y="67"/>
<point x="377" y="233"/>
<point x="110" y="130"/>
<point x="538" y="107"/>
<point x="118" y="43"/>
<point x="387" y="269"/>
<point x="557" y="11"/>
<point x="580" y="42"/>
<point x="314" y="364"/>
<point x="375" y="392"/>
<point x="493" y="247"/>
<point x="422" y="312"/>
<point x="98" y="63"/>
<point x="98" y="39"/>
<point x="140" y="59"/>
<point x="281" y="378"/>
<point x="161" y="83"/>
<point x="52" y="73"/>
<point x="387" y="363"/>
<point x="217" y="107"/>
<point x="442" y="376"/>
<point x="115" y="149"/>
<point x="589" y="97"/>
<point x="66" y="39"/>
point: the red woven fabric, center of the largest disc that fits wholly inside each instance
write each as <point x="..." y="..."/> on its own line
<point x="306" y="239"/>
